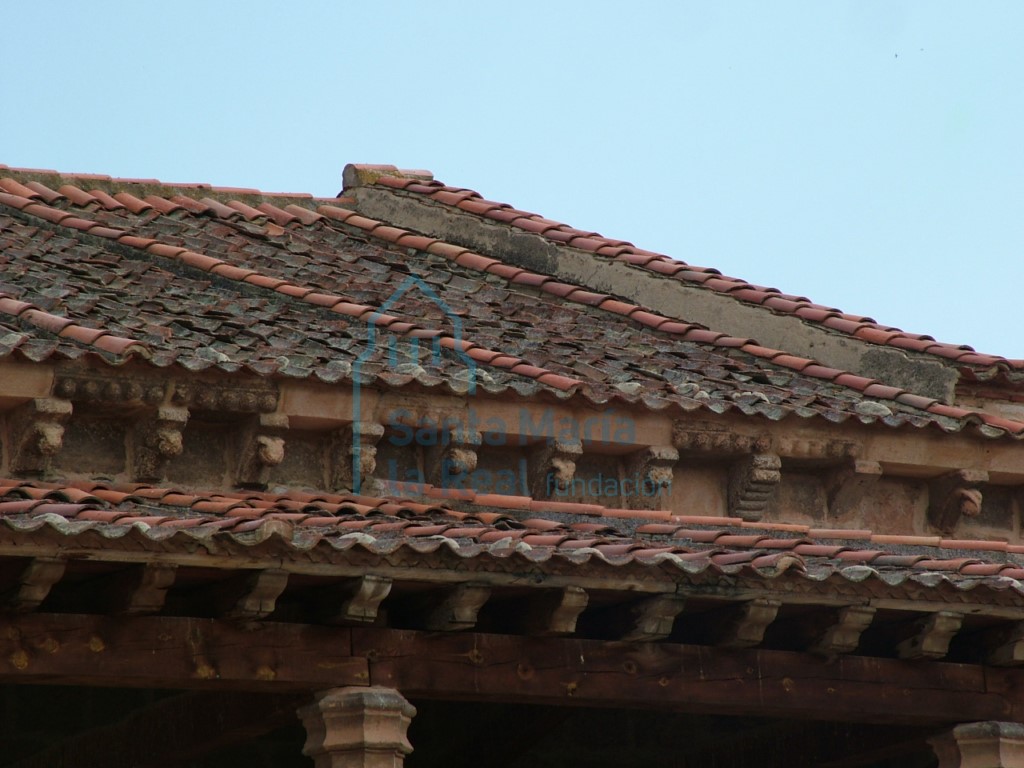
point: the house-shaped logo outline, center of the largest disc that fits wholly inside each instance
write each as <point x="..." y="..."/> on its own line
<point x="412" y="281"/>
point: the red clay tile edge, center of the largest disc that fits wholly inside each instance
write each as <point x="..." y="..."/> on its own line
<point x="863" y="328"/>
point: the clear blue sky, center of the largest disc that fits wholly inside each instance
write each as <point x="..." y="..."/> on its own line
<point x="865" y="154"/>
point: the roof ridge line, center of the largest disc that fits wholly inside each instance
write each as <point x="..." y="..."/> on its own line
<point x="334" y="303"/>
<point x="111" y="184"/>
<point x="860" y="327"/>
<point x="228" y="208"/>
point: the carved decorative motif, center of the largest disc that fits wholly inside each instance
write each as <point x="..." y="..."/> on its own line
<point x="451" y="458"/>
<point x="346" y="454"/>
<point x="715" y="439"/>
<point x="752" y="483"/>
<point x="653" y="469"/>
<point x="551" y="467"/>
<point x="953" y="496"/>
<point x="91" y="386"/>
<point x="799" y="447"/>
<point x="261" y="447"/>
<point x="155" y="440"/>
<point x="36" y="433"/>
<point x="209" y="396"/>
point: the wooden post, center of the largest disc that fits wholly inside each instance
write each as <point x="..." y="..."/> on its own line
<point x="981" y="745"/>
<point x="357" y="727"/>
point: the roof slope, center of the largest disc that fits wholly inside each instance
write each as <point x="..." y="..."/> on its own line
<point x="236" y="282"/>
<point x="862" y="328"/>
<point x="218" y="283"/>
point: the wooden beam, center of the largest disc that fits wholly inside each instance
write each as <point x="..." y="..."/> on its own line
<point x="208" y="654"/>
<point x="171" y="731"/>
<point x="687" y="678"/>
<point x="175" y="653"/>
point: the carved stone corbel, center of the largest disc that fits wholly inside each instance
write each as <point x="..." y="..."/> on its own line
<point x="458" y="609"/>
<point x="752" y="483"/>
<point x="261" y="447"/>
<point x="354" y="456"/>
<point x="747" y="629"/>
<point x="848" y="484"/>
<point x="147" y="591"/>
<point x="359" y="601"/>
<point x="36" y="433"/>
<point x="953" y="496"/>
<point x="651" y="469"/>
<point x="556" y="613"/>
<point x="448" y="463"/>
<point x="156" y="440"/>
<point x="34" y="584"/>
<point x="653" y="618"/>
<point x="551" y="467"/>
<point x="259" y="596"/>
<point x="844" y="635"/>
<point x="933" y="638"/>
<point x="1009" y="649"/>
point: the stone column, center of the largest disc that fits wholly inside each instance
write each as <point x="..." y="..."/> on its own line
<point x="357" y="727"/>
<point x="981" y="745"/>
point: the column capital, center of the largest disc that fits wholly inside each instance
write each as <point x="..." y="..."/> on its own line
<point x="357" y="727"/>
<point x="989" y="744"/>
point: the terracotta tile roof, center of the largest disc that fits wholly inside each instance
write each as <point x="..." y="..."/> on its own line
<point x="863" y="328"/>
<point x="494" y="526"/>
<point x="247" y="285"/>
